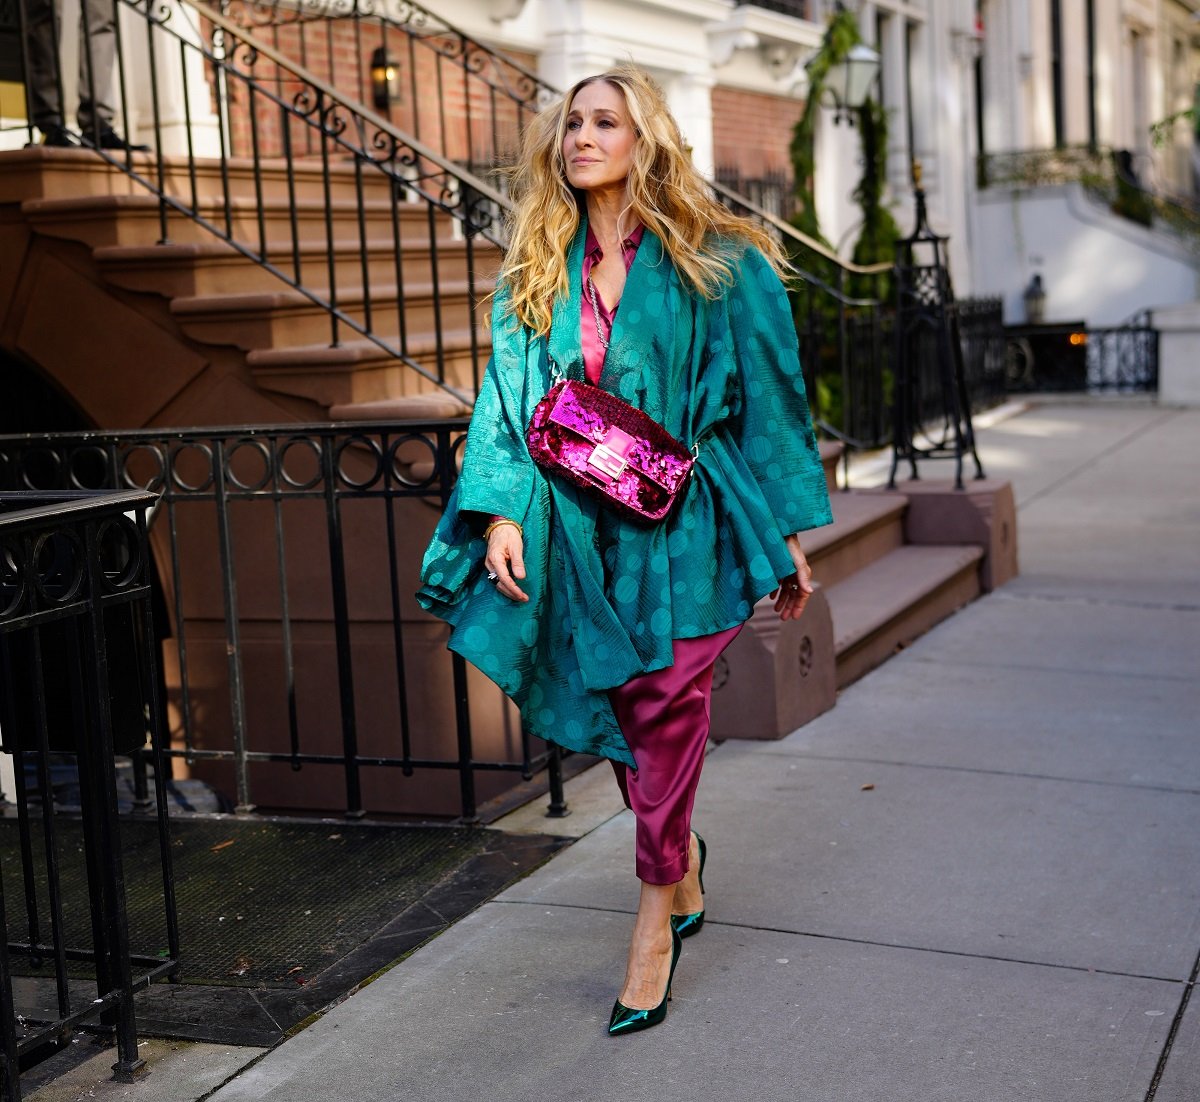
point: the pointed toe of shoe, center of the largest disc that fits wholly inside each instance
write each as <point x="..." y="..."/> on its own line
<point x="625" y="1019"/>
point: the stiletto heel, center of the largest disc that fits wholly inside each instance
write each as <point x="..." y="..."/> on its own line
<point x="625" y="1019"/>
<point x="687" y="925"/>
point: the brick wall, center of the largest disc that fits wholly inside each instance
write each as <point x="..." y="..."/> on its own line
<point x="456" y="114"/>
<point x="752" y="131"/>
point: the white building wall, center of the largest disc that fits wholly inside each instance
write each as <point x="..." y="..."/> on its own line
<point x="1096" y="267"/>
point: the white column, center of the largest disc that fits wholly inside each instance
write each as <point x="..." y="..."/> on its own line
<point x="175" y="74"/>
<point x="572" y="50"/>
<point x="893" y="79"/>
<point x="690" y="98"/>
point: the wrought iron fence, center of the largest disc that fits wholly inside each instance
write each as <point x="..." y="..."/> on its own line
<point x="1124" y="358"/>
<point x="1077" y="358"/>
<point x="1108" y="176"/>
<point x="287" y="557"/>
<point x="774" y="192"/>
<point x="798" y="9"/>
<point x="447" y="89"/>
<point x="77" y="677"/>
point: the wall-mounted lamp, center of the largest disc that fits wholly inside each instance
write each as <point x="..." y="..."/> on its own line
<point x="848" y="83"/>
<point x="385" y="79"/>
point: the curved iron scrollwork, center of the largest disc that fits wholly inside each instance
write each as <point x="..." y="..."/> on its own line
<point x="273" y="499"/>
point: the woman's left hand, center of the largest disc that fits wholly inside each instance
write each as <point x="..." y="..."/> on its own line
<point x="794" y="591"/>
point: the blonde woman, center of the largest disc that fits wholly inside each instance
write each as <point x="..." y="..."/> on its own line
<point x="625" y="273"/>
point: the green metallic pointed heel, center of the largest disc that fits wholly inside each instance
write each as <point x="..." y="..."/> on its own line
<point x="627" y="1020"/>
<point x="687" y="925"/>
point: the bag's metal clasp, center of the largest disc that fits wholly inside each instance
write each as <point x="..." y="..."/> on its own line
<point x="610" y="457"/>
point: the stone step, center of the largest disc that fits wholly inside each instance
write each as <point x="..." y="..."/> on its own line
<point x="889" y="603"/>
<point x="288" y="318"/>
<point x="215" y="267"/>
<point x="866" y="527"/>
<point x="104" y="220"/>
<point x="42" y="173"/>
<point x="359" y="371"/>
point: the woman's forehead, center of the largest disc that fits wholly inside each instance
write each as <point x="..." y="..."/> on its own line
<point x="599" y="95"/>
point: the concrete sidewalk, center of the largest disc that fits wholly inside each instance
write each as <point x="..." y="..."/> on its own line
<point x="977" y="878"/>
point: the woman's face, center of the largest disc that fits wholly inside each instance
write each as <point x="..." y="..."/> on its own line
<point x="598" y="144"/>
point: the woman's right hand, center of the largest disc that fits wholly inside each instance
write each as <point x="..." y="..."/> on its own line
<point x="505" y="559"/>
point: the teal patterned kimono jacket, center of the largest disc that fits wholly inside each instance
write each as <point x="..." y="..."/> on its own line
<point x="607" y="596"/>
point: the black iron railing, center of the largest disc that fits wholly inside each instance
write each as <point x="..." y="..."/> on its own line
<point x="798" y="9"/>
<point x="77" y="677"/>
<point x="288" y="557"/>
<point x="394" y="243"/>
<point x="1108" y="176"/>
<point x="774" y="192"/>
<point x="840" y="311"/>
<point x="447" y="89"/>
<point x="1079" y="358"/>
<point x="1123" y="358"/>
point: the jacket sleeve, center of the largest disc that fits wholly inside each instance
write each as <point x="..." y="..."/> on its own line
<point x="773" y="428"/>
<point x="497" y="471"/>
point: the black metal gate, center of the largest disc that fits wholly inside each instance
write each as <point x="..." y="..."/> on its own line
<point x="77" y="678"/>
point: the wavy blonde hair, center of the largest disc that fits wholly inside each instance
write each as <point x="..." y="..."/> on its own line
<point x="667" y="196"/>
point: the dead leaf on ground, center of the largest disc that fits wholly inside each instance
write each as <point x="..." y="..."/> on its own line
<point x="868" y="788"/>
<point x="241" y="966"/>
<point x="222" y="845"/>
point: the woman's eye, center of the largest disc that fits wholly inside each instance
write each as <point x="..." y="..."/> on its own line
<point x="573" y="125"/>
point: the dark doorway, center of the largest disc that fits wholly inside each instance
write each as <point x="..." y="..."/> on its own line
<point x="32" y="403"/>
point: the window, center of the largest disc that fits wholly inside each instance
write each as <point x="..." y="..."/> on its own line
<point x="1056" y="73"/>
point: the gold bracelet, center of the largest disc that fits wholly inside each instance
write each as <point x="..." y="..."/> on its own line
<point x="487" y="532"/>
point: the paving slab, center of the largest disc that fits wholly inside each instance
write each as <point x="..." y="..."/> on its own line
<point x="1082" y="875"/>
<point x="1031" y="632"/>
<point x="1181" y="1076"/>
<point x="1081" y="725"/>
<point x="1110" y="507"/>
<point x="513" y="1003"/>
<point x="178" y="1071"/>
<point x="1048" y="443"/>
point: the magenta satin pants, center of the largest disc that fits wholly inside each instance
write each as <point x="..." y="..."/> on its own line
<point x="664" y="717"/>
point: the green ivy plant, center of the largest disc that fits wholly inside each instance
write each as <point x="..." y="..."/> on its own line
<point x="880" y="232"/>
<point x="840" y="38"/>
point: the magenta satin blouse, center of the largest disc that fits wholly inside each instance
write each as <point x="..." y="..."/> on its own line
<point x="593" y="350"/>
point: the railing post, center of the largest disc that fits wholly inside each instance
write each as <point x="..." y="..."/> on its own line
<point x="341" y="630"/>
<point x="233" y="635"/>
<point x="97" y="752"/>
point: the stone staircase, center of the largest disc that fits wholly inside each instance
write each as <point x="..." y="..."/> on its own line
<point x="882" y="581"/>
<point x="216" y="297"/>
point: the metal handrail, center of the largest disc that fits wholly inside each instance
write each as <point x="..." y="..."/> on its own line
<point x="273" y="13"/>
<point x="801" y="238"/>
<point x="370" y="147"/>
<point x="334" y="96"/>
<point x="288" y="12"/>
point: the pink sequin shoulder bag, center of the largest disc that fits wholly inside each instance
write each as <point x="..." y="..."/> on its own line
<point x="607" y="447"/>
